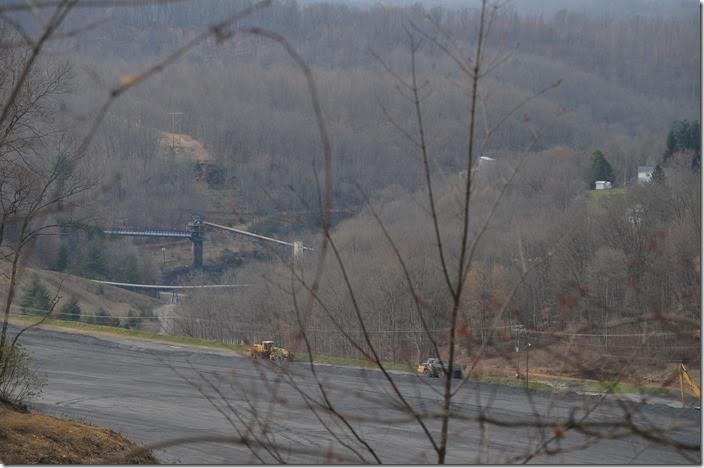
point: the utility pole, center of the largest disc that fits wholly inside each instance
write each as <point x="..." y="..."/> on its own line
<point x="527" y="351"/>
<point x="517" y="329"/>
<point x="173" y="126"/>
<point x="527" y="345"/>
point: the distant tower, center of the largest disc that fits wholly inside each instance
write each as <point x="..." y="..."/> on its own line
<point x="196" y="226"/>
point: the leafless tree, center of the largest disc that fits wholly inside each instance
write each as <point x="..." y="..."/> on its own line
<point x="36" y="158"/>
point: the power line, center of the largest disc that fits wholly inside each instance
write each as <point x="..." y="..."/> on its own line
<point x="223" y="321"/>
<point x="169" y="287"/>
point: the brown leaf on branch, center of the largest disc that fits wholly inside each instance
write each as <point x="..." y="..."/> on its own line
<point x="129" y="80"/>
<point x="558" y="432"/>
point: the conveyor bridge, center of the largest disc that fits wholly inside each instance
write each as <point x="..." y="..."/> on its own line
<point x="195" y="234"/>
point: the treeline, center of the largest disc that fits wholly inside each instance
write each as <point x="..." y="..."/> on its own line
<point x="649" y="54"/>
<point x="618" y="262"/>
<point x="684" y="137"/>
<point x="257" y="124"/>
<point x="86" y="252"/>
<point x="249" y="106"/>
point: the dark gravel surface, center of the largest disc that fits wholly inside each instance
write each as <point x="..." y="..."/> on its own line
<point x="155" y="392"/>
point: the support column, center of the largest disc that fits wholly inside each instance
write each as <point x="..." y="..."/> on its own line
<point x="197" y="253"/>
<point x="196" y="226"/>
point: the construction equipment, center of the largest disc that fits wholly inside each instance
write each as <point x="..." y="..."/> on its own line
<point x="433" y="367"/>
<point x="280" y="354"/>
<point x="430" y="368"/>
<point x="261" y="350"/>
<point x="684" y="377"/>
<point x="268" y="350"/>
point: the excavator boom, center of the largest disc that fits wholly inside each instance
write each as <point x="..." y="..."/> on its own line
<point x="685" y="378"/>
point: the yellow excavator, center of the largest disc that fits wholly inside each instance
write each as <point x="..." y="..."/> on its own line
<point x="685" y="378"/>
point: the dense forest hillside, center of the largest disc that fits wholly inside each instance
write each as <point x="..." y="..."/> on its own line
<point x="570" y="95"/>
<point x="623" y="83"/>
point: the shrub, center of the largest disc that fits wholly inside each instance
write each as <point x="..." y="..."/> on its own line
<point x="70" y="311"/>
<point x="18" y="381"/>
<point x="35" y="299"/>
<point x="148" y="314"/>
<point x="133" y="319"/>
<point x="102" y="317"/>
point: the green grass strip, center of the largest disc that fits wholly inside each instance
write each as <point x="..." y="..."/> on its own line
<point x="555" y="385"/>
<point x="137" y="334"/>
<point x="619" y="388"/>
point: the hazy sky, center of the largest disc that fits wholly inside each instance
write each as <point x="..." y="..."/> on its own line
<point x="620" y="8"/>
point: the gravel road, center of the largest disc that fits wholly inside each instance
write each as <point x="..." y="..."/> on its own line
<point x="153" y="392"/>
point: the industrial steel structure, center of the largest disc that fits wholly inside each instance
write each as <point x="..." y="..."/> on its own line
<point x="195" y="234"/>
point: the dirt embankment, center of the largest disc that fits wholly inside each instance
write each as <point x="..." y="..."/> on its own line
<point x="564" y="362"/>
<point x="186" y="147"/>
<point x="31" y="438"/>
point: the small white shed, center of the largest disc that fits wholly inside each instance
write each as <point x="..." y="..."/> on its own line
<point x="645" y="173"/>
<point x="602" y="185"/>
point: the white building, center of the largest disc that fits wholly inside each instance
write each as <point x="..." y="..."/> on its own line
<point x="645" y="173"/>
<point x="602" y="185"/>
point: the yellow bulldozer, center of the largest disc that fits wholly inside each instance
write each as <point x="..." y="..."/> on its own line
<point x="269" y="350"/>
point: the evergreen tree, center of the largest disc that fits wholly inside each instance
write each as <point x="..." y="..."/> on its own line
<point x="29" y="292"/>
<point x="671" y="145"/>
<point x="61" y="259"/>
<point x="95" y="266"/>
<point x="130" y="271"/>
<point x="102" y="317"/>
<point x="684" y="137"/>
<point x="601" y="169"/>
<point x="36" y="299"/>
<point x="695" y="135"/>
<point x="658" y="174"/>
<point x="71" y="310"/>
